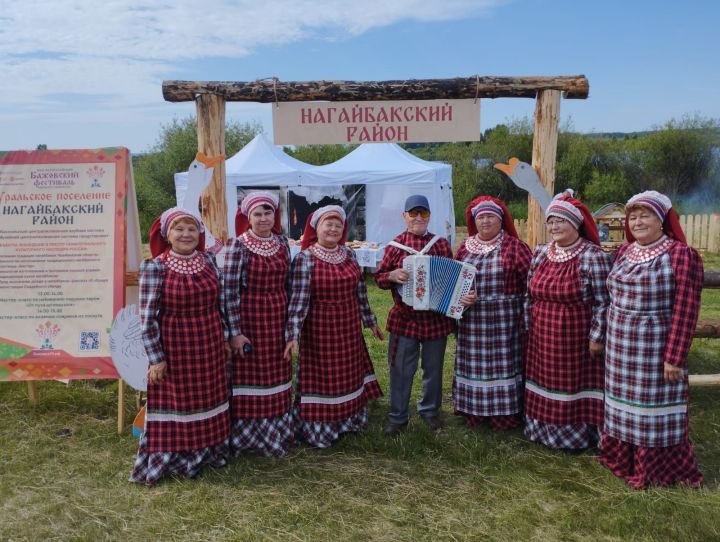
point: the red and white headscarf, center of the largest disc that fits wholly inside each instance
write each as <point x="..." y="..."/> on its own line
<point x="661" y="205"/>
<point x="488" y="204"/>
<point x="323" y="213"/>
<point x="252" y="200"/>
<point x="577" y="214"/>
<point x="161" y="225"/>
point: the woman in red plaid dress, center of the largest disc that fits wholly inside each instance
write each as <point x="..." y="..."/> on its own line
<point x="256" y="273"/>
<point x="566" y="308"/>
<point x="186" y="422"/>
<point x="487" y="384"/>
<point x="655" y="286"/>
<point x="335" y="379"/>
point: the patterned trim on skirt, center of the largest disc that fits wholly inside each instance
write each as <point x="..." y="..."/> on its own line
<point x="151" y="466"/>
<point x="271" y="437"/>
<point x="643" y="467"/>
<point x="576" y="436"/>
<point x="497" y="423"/>
<point x="323" y="434"/>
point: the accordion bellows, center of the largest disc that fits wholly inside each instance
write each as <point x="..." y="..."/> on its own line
<point x="437" y="284"/>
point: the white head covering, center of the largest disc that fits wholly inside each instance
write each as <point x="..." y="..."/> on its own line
<point x="258" y="197"/>
<point x="565" y="210"/>
<point x="487" y="206"/>
<point x="172" y="214"/>
<point x="319" y="213"/>
<point x="659" y="203"/>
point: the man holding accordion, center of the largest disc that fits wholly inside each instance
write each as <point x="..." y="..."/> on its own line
<point x="414" y="335"/>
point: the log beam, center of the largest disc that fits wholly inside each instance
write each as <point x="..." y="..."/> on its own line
<point x="547" y="116"/>
<point x="707" y="329"/>
<point x="273" y="90"/>
<point x="712" y="279"/>
<point x="697" y="381"/>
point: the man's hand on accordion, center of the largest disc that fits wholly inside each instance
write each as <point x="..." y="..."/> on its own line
<point x="469" y="299"/>
<point x="398" y="276"/>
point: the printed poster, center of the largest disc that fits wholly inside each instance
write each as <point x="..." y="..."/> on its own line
<point x="62" y="261"/>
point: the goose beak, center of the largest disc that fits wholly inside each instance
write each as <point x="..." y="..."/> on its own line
<point x="209" y="162"/>
<point x="508" y="168"/>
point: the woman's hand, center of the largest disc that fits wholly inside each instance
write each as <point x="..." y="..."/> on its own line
<point x="672" y="374"/>
<point x="156" y="372"/>
<point x="237" y="343"/>
<point x="291" y="347"/>
<point x="596" y="350"/>
<point x="377" y="332"/>
<point x="469" y="299"/>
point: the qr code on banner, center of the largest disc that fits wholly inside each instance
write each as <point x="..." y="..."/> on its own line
<point x="89" y="341"/>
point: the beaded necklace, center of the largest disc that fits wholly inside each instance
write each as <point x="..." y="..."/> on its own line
<point x="559" y="254"/>
<point x="264" y="246"/>
<point x="330" y="255"/>
<point x="475" y="245"/>
<point x="185" y="264"/>
<point x="644" y="253"/>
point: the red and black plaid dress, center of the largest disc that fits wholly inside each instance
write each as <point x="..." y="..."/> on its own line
<point x="487" y="383"/>
<point x="655" y="301"/>
<point x="567" y="304"/>
<point x="257" y="299"/>
<point x="186" y="423"/>
<point x="336" y="379"/>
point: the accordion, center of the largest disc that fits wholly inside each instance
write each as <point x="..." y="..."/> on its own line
<point x="437" y="284"/>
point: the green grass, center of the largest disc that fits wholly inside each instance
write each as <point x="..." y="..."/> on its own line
<point x="63" y="476"/>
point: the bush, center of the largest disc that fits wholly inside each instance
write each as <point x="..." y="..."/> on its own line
<point x="607" y="188"/>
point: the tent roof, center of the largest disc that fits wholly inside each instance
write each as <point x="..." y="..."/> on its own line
<point x="260" y="156"/>
<point x="259" y="163"/>
<point x="379" y="163"/>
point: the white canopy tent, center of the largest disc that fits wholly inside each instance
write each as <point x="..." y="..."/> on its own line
<point x="389" y="173"/>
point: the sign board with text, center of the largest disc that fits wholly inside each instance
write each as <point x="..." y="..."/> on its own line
<point x="62" y="260"/>
<point x="412" y="121"/>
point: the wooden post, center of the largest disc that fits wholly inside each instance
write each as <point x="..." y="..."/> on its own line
<point x="32" y="391"/>
<point x="121" y="406"/>
<point x="547" y="115"/>
<point x="714" y="233"/>
<point x="211" y="140"/>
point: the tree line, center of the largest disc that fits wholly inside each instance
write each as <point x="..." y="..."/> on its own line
<point x="680" y="158"/>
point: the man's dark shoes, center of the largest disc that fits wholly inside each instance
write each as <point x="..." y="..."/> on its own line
<point x="433" y="422"/>
<point x="394" y="429"/>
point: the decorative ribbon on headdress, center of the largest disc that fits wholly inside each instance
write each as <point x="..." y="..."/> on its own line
<point x="323" y="213"/>
<point x="661" y="205"/>
<point x="161" y="225"/>
<point x="252" y="200"/>
<point x="488" y="204"/>
<point x="577" y="214"/>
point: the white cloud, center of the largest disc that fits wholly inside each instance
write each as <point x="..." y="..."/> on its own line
<point x="187" y="29"/>
<point x="114" y="54"/>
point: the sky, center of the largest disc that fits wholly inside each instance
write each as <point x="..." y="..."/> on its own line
<point x="82" y="74"/>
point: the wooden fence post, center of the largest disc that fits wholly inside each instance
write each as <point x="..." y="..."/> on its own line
<point x="211" y="140"/>
<point x="547" y="114"/>
<point x="714" y="233"/>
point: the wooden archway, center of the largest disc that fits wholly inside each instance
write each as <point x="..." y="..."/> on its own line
<point x="210" y="98"/>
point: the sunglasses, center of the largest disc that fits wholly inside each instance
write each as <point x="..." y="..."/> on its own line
<point x="413" y="213"/>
